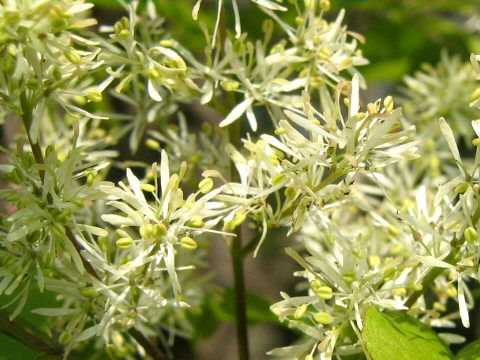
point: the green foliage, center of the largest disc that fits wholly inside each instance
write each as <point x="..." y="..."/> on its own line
<point x="397" y="336"/>
<point x="11" y="349"/>
<point x="254" y="124"/>
<point x="470" y="351"/>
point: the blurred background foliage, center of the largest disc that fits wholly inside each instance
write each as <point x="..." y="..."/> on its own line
<point x="400" y="37"/>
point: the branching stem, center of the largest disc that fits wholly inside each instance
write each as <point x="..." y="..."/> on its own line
<point x="149" y="346"/>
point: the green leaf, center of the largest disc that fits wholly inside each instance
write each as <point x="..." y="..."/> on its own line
<point x="35" y="300"/>
<point x="397" y="336"/>
<point x="470" y="351"/>
<point x="12" y="349"/>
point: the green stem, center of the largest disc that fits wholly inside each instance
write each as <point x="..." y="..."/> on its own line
<point x="429" y="279"/>
<point x="149" y="346"/>
<point x="236" y="251"/>
<point x="238" y="257"/>
<point x="38" y="155"/>
<point x="240" y="295"/>
<point x="331" y="178"/>
<point x="27" y="122"/>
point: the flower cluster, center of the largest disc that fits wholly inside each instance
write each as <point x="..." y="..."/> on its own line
<point x="45" y="57"/>
<point x="371" y="222"/>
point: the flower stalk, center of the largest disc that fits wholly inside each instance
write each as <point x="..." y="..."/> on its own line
<point x="238" y="258"/>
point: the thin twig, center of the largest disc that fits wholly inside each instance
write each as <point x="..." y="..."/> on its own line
<point x="237" y="255"/>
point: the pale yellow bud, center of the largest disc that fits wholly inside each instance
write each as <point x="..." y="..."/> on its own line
<point x="206" y="185"/>
<point x="124" y="243"/>
<point x="188" y="243"/>
<point x="147" y="187"/>
<point x="300" y="311"/>
<point x="323" y="318"/>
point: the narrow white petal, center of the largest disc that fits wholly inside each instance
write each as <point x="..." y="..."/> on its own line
<point x="462" y="304"/>
<point x="153" y="92"/>
<point x="450" y="138"/>
<point x="237" y="111"/>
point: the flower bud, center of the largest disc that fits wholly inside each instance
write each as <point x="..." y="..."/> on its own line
<point x="166" y="43"/>
<point x="300" y="311"/>
<point x="388" y="104"/>
<point x="323" y="318"/>
<point x="461" y="188"/>
<point x="152" y="144"/>
<point x="452" y="291"/>
<point x="349" y="277"/>
<point x="278" y="48"/>
<point x="325" y="5"/>
<point x="279" y="131"/>
<point x="475" y="96"/>
<point x="73" y="56"/>
<point x="124" y="243"/>
<point x="89" y="291"/>
<point x="94" y="95"/>
<point x="147" y="231"/>
<point x="321" y="290"/>
<point x="299" y="21"/>
<point x="90" y="178"/>
<point x="268" y="26"/>
<point x="196" y="222"/>
<point x="238" y="219"/>
<point x="399" y="291"/>
<point x="206" y="185"/>
<point x="229" y="85"/>
<point x="124" y="34"/>
<point x="324" y="292"/>
<point x="148" y="188"/>
<point x="470" y="234"/>
<point x="476" y="142"/>
<point x="188" y="243"/>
